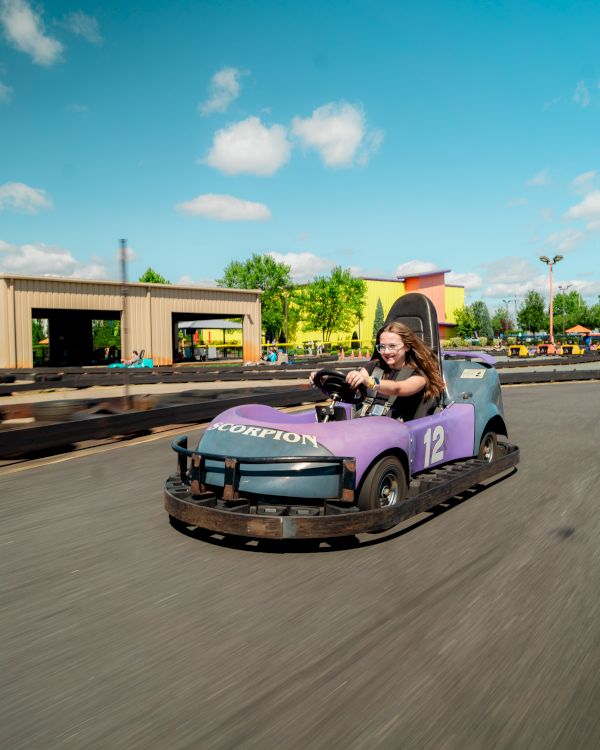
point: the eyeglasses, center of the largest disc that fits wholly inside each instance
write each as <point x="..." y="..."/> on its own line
<point x="389" y="347"/>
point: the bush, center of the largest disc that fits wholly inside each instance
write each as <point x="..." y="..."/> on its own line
<point x="483" y="341"/>
<point x="456" y="341"/>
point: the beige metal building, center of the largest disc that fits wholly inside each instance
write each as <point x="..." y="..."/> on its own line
<point x="149" y="315"/>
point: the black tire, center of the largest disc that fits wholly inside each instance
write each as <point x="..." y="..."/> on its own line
<point x="385" y="485"/>
<point x="488" y="447"/>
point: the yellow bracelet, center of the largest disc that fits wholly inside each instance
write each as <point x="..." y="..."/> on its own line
<point x="371" y="384"/>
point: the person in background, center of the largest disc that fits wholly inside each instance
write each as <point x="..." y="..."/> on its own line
<point x="135" y="359"/>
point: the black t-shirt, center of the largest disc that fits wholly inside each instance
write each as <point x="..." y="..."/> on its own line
<point x="404" y="407"/>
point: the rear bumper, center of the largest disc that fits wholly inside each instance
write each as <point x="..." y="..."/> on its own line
<point x="244" y="519"/>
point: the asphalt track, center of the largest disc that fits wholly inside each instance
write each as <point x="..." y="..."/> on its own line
<point x="474" y="627"/>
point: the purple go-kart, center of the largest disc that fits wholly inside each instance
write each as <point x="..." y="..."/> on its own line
<point x="263" y="473"/>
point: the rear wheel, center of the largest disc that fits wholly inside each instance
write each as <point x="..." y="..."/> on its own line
<point x="488" y="448"/>
<point x="384" y="486"/>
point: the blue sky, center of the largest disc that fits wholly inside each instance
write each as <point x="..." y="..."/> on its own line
<point x="386" y="137"/>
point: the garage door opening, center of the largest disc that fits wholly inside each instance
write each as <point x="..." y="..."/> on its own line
<point x="75" y="338"/>
<point x="203" y="339"/>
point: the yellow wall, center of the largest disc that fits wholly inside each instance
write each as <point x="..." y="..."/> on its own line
<point x="388" y="291"/>
<point x="455" y="298"/>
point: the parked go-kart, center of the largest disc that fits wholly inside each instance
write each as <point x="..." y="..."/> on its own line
<point x="264" y="473"/>
<point x="518" y="350"/>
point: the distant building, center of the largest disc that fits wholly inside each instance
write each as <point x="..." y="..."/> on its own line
<point x="148" y="314"/>
<point x="446" y="298"/>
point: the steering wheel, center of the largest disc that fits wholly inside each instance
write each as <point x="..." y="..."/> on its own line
<point x="333" y="383"/>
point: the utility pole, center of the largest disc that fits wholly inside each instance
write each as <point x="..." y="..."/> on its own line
<point x="563" y="289"/>
<point x="124" y="321"/>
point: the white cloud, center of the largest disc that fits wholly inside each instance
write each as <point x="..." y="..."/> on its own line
<point x="541" y="178"/>
<point x="5" y="92"/>
<point x="564" y="241"/>
<point x="510" y="270"/>
<point x="338" y="132"/>
<point x="584" y="183"/>
<point x="249" y="147"/>
<point x="512" y="277"/>
<point x="130" y="254"/>
<point x="588" y="209"/>
<point x="512" y="202"/>
<point x="581" y="95"/>
<point x="224" y="89"/>
<point x="24" y="30"/>
<point x="78" y="109"/>
<point x="43" y="260"/>
<point x="224" y="208"/>
<point x="81" y="24"/>
<point x="17" y="196"/>
<point x="304" y="266"/>
<point x="187" y="280"/>
<point x="470" y="281"/>
<point x="412" y="267"/>
<point x="547" y="214"/>
<point x="552" y="102"/>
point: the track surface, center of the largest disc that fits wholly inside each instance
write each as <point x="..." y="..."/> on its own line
<point x="476" y="627"/>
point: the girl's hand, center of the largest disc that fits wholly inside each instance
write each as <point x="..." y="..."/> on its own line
<point x="355" y="378"/>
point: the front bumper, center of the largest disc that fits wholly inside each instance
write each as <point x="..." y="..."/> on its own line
<point x="188" y="502"/>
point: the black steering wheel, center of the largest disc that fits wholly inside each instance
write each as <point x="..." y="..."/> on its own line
<point x="333" y="383"/>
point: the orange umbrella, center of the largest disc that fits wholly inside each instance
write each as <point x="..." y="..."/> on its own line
<point x="578" y="329"/>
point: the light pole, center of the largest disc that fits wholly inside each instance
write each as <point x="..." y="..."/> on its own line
<point x="506" y="301"/>
<point x="551" y="264"/>
<point x="563" y="288"/>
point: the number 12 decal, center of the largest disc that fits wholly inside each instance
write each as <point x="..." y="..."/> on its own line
<point x="434" y="445"/>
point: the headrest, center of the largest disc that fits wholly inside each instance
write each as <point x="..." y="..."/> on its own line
<point x="418" y="313"/>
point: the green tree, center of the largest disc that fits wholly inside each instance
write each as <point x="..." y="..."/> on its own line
<point x="150" y="276"/>
<point x="569" y="311"/>
<point x="483" y="323"/>
<point x="595" y="314"/>
<point x="37" y="331"/>
<point x="531" y="315"/>
<point x="333" y="304"/>
<point x="273" y="278"/>
<point x="465" y="321"/>
<point x="501" y="321"/>
<point x="379" y="318"/>
<point x="106" y="333"/>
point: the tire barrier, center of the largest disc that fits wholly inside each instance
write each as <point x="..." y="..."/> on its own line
<point x="62" y="423"/>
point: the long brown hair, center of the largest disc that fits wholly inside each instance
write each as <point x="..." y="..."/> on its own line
<point x="420" y="357"/>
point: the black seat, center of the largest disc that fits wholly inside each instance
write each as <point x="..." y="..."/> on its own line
<point x="418" y="313"/>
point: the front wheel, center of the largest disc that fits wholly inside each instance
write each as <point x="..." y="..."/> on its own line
<point x="488" y="448"/>
<point x="384" y="486"/>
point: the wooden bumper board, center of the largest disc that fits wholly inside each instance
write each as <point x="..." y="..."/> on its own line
<point x="434" y="487"/>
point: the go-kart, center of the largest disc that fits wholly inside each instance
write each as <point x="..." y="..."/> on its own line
<point x="263" y="473"/>
<point x="571" y="349"/>
<point x="518" y="350"/>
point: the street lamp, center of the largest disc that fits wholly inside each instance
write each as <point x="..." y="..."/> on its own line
<point x="506" y="301"/>
<point x="551" y="263"/>
<point x="563" y="288"/>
